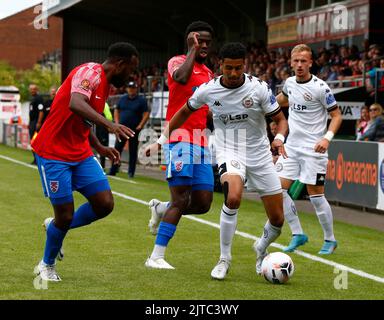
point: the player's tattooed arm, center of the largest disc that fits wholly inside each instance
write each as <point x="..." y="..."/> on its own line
<point x="79" y="104"/>
<point x="282" y="99"/>
<point x="176" y="122"/>
<point x="282" y="130"/>
<point x="336" y="119"/>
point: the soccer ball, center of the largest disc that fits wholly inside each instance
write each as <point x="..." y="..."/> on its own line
<point x="277" y="267"/>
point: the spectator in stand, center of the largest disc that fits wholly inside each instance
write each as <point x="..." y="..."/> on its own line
<point x="375" y="131"/>
<point x="363" y="123"/>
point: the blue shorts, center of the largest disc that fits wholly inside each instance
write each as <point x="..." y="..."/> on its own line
<point x="60" y="179"/>
<point x="188" y="165"/>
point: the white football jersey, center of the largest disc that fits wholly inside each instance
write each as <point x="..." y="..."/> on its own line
<point x="239" y="117"/>
<point x="309" y="104"/>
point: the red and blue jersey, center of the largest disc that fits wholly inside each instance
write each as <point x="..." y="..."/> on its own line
<point x="64" y="135"/>
<point x="179" y="95"/>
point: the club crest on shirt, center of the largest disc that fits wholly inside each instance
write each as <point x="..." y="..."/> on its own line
<point x="85" y="84"/>
<point x="235" y="164"/>
<point x="248" y="102"/>
<point x="54" y="186"/>
<point x="179" y="166"/>
<point x="307" y="96"/>
<point x="224" y="118"/>
<point x="279" y="167"/>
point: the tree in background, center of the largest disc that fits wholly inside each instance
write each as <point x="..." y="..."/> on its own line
<point x="44" y="78"/>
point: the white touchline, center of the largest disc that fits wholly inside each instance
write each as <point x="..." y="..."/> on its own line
<point x="242" y="234"/>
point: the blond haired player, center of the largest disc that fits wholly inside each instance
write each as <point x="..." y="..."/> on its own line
<point x="310" y="102"/>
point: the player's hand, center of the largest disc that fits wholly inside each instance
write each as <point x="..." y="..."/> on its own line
<point x="322" y="146"/>
<point x="278" y="145"/>
<point x="152" y="149"/>
<point x="193" y="40"/>
<point x="121" y="131"/>
<point x="110" y="153"/>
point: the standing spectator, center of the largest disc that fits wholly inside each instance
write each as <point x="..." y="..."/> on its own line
<point x="363" y="123"/>
<point x="131" y="111"/>
<point x="48" y="103"/>
<point x="36" y="113"/>
<point x="375" y="131"/>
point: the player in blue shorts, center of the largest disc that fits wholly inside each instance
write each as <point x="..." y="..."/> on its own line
<point x="189" y="170"/>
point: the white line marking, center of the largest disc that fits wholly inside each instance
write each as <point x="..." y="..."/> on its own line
<point x="242" y="234"/>
<point x="122" y="179"/>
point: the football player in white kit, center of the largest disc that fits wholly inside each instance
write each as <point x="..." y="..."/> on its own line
<point x="310" y="102"/>
<point x="239" y="103"/>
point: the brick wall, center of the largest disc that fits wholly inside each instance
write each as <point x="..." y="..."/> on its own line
<point x="22" y="45"/>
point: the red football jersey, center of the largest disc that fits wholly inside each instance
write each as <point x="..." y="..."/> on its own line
<point x="64" y="135"/>
<point x="179" y="95"/>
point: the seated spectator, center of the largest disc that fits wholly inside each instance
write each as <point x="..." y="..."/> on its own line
<point x="363" y="123"/>
<point x="375" y="131"/>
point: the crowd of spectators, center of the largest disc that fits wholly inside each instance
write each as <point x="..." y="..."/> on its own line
<point x="337" y="63"/>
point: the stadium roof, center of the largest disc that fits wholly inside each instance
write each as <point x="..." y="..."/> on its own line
<point x="152" y="19"/>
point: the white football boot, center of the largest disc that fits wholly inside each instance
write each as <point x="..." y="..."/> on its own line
<point x="221" y="269"/>
<point x="259" y="257"/>
<point x="155" y="216"/>
<point x="47" y="272"/>
<point x="159" y="263"/>
<point x="60" y="255"/>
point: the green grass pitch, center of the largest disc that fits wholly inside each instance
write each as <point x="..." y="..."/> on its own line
<point x="105" y="260"/>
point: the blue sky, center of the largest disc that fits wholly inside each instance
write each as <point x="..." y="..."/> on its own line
<point x="10" y="7"/>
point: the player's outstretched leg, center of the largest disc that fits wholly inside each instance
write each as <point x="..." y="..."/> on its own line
<point x="324" y="214"/>
<point x="273" y="205"/>
<point x="299" y="238"/>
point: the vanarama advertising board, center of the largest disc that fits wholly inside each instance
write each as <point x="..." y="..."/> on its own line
<point x="352" y="173"/>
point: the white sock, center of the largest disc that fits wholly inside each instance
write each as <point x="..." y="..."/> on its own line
<point x="290" y="214"/>
<point x="228" y="223"/>
<point x="271" y="233"/>
<point x="158" y="252"/>
<point x="324" y="214"/>
<point x="162" y="207"/>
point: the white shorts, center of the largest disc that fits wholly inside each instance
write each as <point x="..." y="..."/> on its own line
<point x="303" y="164"/>
<point x="263" y="179"/>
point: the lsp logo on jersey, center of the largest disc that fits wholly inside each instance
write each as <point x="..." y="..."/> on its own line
<point x="225" y="118"/>
<point x="54" y="186"/>
<point x="298" y="107"/>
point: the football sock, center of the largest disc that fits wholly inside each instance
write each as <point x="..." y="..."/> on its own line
<point x="228" y="223"/>
<point x="54" y="241"/>
<point x="290" y="214"/>
<point x="270" y="234"/>
<point x="164" y="234"/>
<point x="84" y="215"/>
<point x="324" y="214"/>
